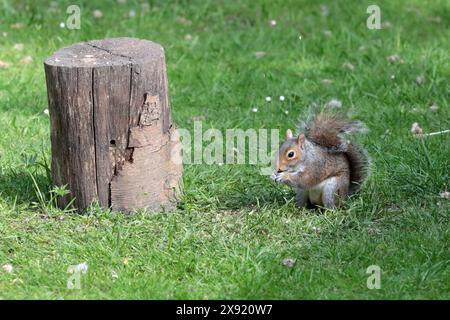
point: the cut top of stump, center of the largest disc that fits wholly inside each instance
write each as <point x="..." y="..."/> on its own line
<point x="108" y="52"/>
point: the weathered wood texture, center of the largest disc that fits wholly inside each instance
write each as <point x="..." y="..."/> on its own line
<point x="111" y="131"/>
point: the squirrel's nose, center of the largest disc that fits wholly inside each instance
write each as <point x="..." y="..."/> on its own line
<point x="279" y="171"/>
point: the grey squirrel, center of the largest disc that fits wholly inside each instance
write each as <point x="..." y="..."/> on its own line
<point x="320" y="164"/>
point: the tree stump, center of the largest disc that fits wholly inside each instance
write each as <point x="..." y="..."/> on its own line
<point x="111" y="131"/>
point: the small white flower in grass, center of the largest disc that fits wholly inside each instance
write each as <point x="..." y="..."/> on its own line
<point x="5" y="34"/>
<point x="114" y="275"/>
<point x="393" y="77"/>
<point x="286" y="111"/>
<point x="327" y="33"/>
<point x="132" y="13"/>
<point x="394" y="59"/>
<point x="8" y="268"/>
<point x="334" y="103"/>
<point x="324" y="10"/>
<point x="268" y="99"/>
<point x="188" y="37"/>
<point x="62" y="25"/>
<point x="273" y="23"/>
<point x="420" y="79"/>
<point x="316" y="230"/>
<point x="416" y="129"/>
<point x="289" y="262"/>
<point x="282" y="98"/>
<point x="46" y="112"/>
<point x="254" y="109"/>
<point x="445" y="194"/>
<point x="348" y="66"/>
<point x="220" y="164"/>
<point x="98" y="14"/>
<point x="434" y="108"/>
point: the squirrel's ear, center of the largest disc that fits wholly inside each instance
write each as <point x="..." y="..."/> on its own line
<point x="289" y="134"/>
<point x="301" y="139"/>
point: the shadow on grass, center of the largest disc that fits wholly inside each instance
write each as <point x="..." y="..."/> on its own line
<point x="256" y="198"/>
<point x="18" y="187"/>
<point x="232" y="189"/>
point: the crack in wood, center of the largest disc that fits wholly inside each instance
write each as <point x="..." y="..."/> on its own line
<point x="108" y="51"/>
<point x="93" y="129"/>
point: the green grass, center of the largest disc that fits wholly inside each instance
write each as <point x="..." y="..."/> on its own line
<point x="234" y="227"/>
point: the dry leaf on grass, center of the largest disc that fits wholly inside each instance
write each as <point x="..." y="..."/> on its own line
<point x="259" y="54"/>
<point x="17" y="26"/>
<point x="26" y="60"/>
<point x="18" y="46"/>
<point x="4" y="65"/>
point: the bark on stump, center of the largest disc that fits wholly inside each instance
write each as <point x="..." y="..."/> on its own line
<point x="111" y="130"/>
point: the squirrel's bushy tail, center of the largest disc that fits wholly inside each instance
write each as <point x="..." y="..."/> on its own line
<point x="359" y="163"/>
<point x="329" y="130"/>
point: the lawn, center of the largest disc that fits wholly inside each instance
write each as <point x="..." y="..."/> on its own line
<point x="234" y="227"/>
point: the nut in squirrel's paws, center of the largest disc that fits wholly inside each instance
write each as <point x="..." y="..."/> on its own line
<point x="277" y="177"/>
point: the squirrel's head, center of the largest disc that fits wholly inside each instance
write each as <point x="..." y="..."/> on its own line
<point x="290" y="152"/>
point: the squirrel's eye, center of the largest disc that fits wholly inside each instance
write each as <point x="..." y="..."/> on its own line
<point x="291" y="154"/>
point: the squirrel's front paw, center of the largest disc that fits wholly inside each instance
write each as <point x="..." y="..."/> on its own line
<point x="277" y="177"/>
